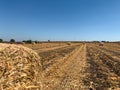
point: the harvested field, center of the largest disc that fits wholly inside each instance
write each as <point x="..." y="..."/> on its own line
<point x="79" y="66"/>
<point x="42" y="47"/>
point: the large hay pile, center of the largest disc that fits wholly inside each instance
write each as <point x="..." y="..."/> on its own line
<point x="20" y="68"/>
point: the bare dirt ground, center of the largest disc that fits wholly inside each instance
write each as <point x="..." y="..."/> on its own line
<point x="80" y="66"/>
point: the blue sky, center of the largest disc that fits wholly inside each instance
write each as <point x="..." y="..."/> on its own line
<point x="60" y="19"/>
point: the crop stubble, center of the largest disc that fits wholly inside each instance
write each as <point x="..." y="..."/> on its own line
<point x="80" y="66"/>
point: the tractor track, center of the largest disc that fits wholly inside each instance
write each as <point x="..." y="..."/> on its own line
<point x="69" y="73"/>
<point x="76" y="72"/>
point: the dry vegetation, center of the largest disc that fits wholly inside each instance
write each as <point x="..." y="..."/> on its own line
<point x="20" y="68"/>
<point x="63" y="66"/>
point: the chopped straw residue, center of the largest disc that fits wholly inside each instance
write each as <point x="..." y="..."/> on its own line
<point x="20" y="68"/>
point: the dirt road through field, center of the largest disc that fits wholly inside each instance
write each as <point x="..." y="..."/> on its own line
<point x="71" y="74"/>
<point x="75" y="74"/>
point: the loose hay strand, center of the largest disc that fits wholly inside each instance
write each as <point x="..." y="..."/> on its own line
<point x="20" y="68"/>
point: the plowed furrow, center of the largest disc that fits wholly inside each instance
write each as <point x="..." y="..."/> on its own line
<point x="112" y="61"/>
<point x="106" y="73"/>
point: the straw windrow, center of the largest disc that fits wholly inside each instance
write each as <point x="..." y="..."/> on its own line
<point x="20" y="68"/>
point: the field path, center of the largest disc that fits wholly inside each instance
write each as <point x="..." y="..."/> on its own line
<point x="71" y="74"/>
<point x="74" y="77"/>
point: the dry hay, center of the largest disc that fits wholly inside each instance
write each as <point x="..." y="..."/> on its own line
<point x="101" y="44"/>
<point x="19" y="68"/>
<point x="68" y="43"/>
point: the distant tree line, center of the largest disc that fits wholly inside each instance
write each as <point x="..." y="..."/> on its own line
<point x="35" y="42"/>
<point x="11" y="40"/>
<point x="30" y="41"/>
<point x="27" y="41"/>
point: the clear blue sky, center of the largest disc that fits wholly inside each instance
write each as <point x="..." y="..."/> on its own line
<point x="60" y="19"/>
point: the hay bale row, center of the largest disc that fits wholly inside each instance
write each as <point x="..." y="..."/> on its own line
<point x="20" y="68"/>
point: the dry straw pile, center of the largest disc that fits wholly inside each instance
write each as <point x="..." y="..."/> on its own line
<point x="20" y="68"/>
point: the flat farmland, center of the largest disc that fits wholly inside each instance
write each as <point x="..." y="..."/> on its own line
<point x="79" y="66"/>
